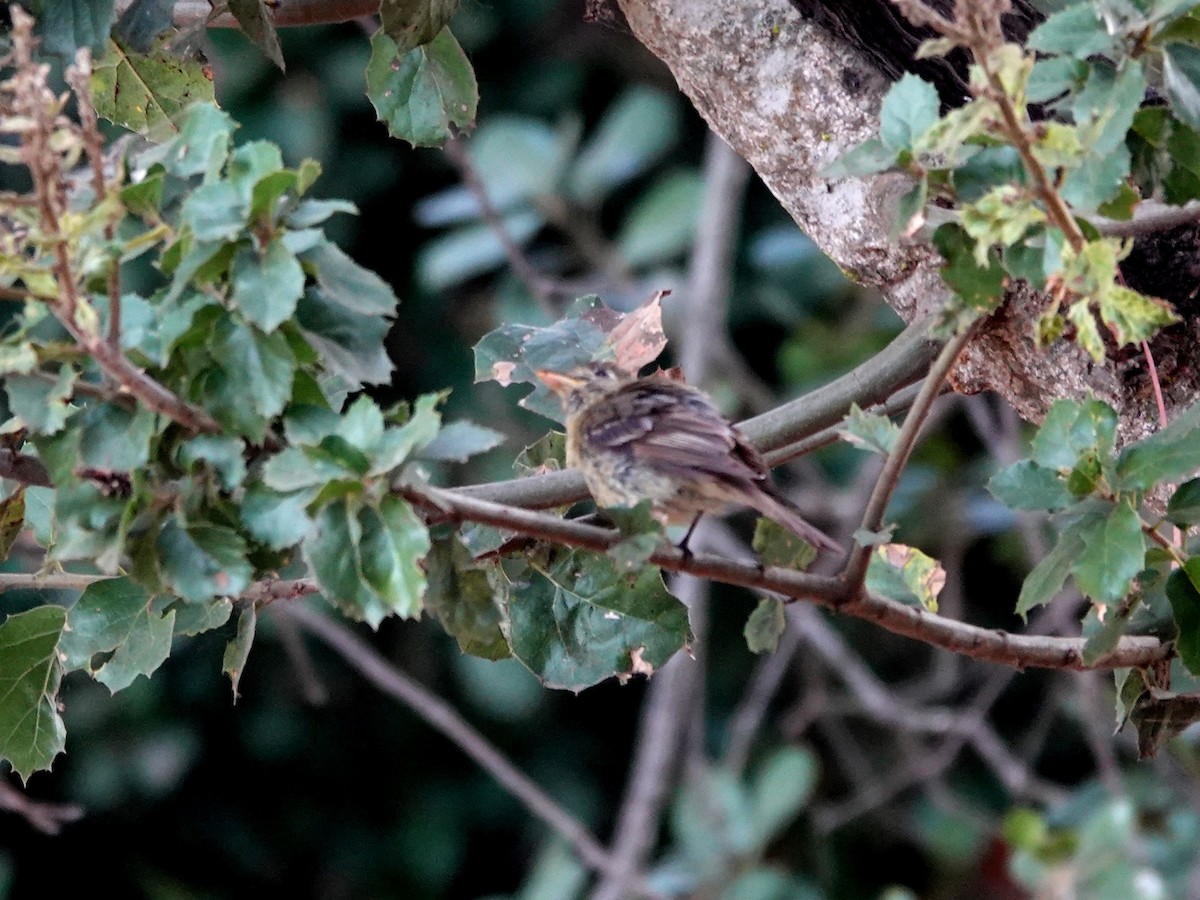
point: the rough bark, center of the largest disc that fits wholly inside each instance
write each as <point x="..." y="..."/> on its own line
<point x="791" y="97"/>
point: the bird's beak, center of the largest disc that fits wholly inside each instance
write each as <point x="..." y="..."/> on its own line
<point x="558" y="382"/>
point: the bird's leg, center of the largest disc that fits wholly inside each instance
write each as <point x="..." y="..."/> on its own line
<point x="683" y="545"/>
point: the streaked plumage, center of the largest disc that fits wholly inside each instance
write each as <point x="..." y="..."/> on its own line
<point x="664" y="441"/>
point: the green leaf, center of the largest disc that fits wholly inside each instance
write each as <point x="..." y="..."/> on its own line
<point x="1183" y="508"/>
<point x="1070" y="429"/>
<point x="142" y="22"/>
<point x="31" y="730"/>
<point x="1048" y="577"/>
<point x="267" y="287"/>
<point x="221" y="453"/>
<point x="1114" y="553"/>
<point x="1027" y="485"/>
<point x="909" y="109"/>
<point x="214" y="213"/>
<point x="12" y="520"/>
<point x="423" y="95"/>
<point x="1078" y="31"/>
<point x="41" y="406"/>
<point x="1170" y="454"/>
<point x="367" y="561"/>
<point x="237" y="651"/>
<point x="641" y="535"/>
<point x="778" y="790"/>
<point x="459" y="441"/>
<point x="662" y="222"/>
<point x="350" y="343"/>
<point x="256" y="24"/>
<point x="66" y="25"/>
<point x="116" y="616"/>
<point x="394" y="541"/>
<point x="196" y="618"/>
<point x="869" y="431"/>
<point x="1184" y="595"/>
<point x="276" y="520"/>
<point x="1053" y="76"/>
<point x="580" y="620"/>
<point x="144" y="93"/>
<point x="1134" y="317"/>
<point x="1104" y="639"/>
<point x="905" y="574"/>
<point x="308" y="213"/>
<point x="200" y="148"/>
<point x="977" y="285"/>
<point x="202" y="561"/>
<point x="1181" y="76"/>
<point x="634" y="133"/>
<point x="777" y="546"/>
<point x="262" y="362"/>
<point x="345" y="282"/>
<point x="115" y="438"/>
<point x="765" y="626"/>
<point x="411" y="23"/>
<point x="868" y="158"/>
<point x="459" y="595"/>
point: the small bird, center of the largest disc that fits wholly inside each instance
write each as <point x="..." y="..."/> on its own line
<point x="664" y="441"/>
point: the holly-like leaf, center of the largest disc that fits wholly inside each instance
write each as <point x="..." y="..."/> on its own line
<point x="192" y="619"/>
<point x="1184" y="595"/>
<point x="904" y="573"/>
<point x="251" y="358"/>
<point x="345" y="282"/>
<point x="117" y="616"/>
<point x="411" y="23"/>
<point x="1027" y="485"/>
<point x="1171" y="453"/>
<point x="367" y="560"/>
<point x="459" y="595"/>
<point x="222" y="454"/>
<point x="908" y="110"/>
<point x="41" y="406"/>
<point x="1070" y="429"/>
<point x="66" y="25"/>
<point x="255" y="22"/>
<point x="641" y="535"/>
<point x="869" y="431"/>
<point x="237" y="651"/>
<point x="145" y="93"/>
<point x="580" y="620"/>
<point x="1184" y="506"/>
<point x="202" y="561"/>
<point x="459" y="441"/>
<point x="266" y="287"/>
<point x="778" y="546"/>
<point x="1114" y="551"/>
<point x="31" y="730"/>
<point x="765" y="626"/>
<point x="275" y="519"/>
<point x="425" y="94"/>
<point x="350" y="343"/>
<point x="1181" y="75"/>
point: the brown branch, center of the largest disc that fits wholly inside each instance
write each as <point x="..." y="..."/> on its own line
<point x="1149" y="217"/>
<point x="1021" y="651"/>
<point x="856" y="566"/>
<point x="542" y="289"/>
<point x="437" y="713"/>
<point x="48" y="818"/>
<point x="62" y="581"/>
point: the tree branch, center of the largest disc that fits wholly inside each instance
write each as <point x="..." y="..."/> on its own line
<point x="1021" y="651"/>
<point x="437" y="713"/>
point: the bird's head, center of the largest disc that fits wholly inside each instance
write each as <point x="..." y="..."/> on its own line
<point x="584" y="384"/>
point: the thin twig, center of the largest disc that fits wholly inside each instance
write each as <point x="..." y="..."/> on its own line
<point x="872" y="520"/>
<point x="541" y="288"/>
<point x="1149" y="217"/>
<point x="437" y="713"/>
<point x="60" y="581"/>
<point x="48" y="818"/>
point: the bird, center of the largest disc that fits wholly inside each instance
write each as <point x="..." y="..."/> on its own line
<point x="657" y="439"/>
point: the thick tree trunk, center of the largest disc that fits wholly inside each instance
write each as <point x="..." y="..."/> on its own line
<point x="791" y="97"/>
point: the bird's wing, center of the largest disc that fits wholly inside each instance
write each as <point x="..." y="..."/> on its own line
<point x="675" y="428"/>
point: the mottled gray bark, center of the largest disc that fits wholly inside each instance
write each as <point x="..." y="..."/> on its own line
<point x="791" y="98"/>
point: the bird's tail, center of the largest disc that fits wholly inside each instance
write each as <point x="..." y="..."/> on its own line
<point x="776" y="506"/>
